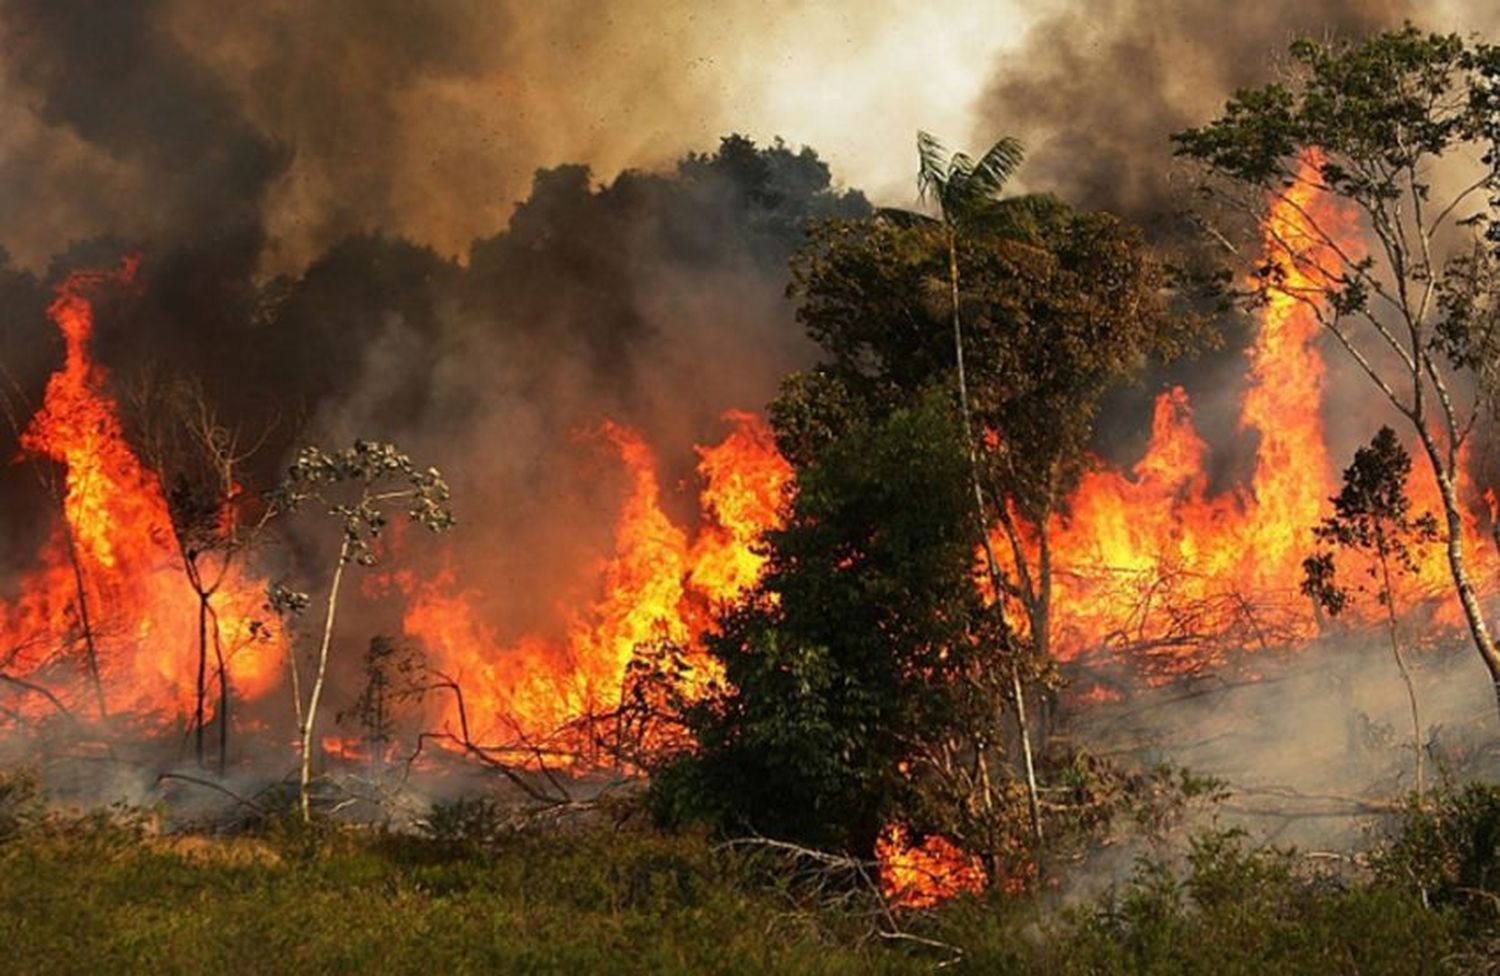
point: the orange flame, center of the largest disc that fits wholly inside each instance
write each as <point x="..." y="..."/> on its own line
<point x="655" y="588"/>
<point x="922" y="875"/>
<point x="1148" y="559"/>
<point x="111" y="574"/>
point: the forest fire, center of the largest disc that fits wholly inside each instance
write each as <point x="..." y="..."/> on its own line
<point x="109" y="598"/>
<point x="1150" y="561"/>
<point x="922" y="875"/>
<point x="108" y="621"/>
<point x="658" y="590"/>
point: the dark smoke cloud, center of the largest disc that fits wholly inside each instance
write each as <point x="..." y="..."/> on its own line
<point x="372" y="154"/>
<point x="1099" y="87"/>
<point x="1096" y="92"/>
<point x="109" y="75"/>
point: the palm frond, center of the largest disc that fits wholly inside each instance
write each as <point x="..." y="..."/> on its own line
<point x="996" y="167"/>
<point x="932" y="165"/>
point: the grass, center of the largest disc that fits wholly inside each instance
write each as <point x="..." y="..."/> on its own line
<point x="100" y="899"/>
<point x="93" y="895"/>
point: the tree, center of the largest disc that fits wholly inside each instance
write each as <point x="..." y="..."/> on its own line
<point x="202" y="462"/>
<point x="1372" y="515"/>
<point x="966" y="193"/>
<point x="359" y="485"/>
<point x="1404" y="127"/>
<point x="840" y="670"/>
<point x="1054" y="309"/>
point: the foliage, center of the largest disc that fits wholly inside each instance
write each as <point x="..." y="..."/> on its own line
<point x="395" y="676"/>
<point x="88" y="899"/>
<point x="356" y="486"/>
<point x="1371" y="514"/>
<point x="368" y="466"/>
<point x="1449" y="848"/>
<point x="842" y="662"/>
<point x="1051" y="322"/>
<point x="81" y="895"/>
<point x="20" y="800"/>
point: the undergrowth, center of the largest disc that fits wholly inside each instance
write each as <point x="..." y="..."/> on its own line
<point x="104" y="893"/>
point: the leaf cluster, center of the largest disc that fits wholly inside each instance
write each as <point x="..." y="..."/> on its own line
<point x="1371" y="514"/>
<point x="1052" y="321"/>
<point x="843" y="660"/>
<point x="1375" y="106"/>
<point x="380" y="475"/>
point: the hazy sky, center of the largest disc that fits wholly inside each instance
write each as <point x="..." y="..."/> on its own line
<point x="429" y="118"/>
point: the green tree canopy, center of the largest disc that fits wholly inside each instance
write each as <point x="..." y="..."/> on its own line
<point x="842" y="665"/>
<point x="1052" y="320"/>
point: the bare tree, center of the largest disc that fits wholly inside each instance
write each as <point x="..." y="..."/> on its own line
<point x="201" y="462"/>
<point x="358" y="486"/>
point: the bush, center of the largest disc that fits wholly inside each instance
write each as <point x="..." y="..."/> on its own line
<point x="1448" y="851"/>
<point x="1231" y="909"/>
<point x="20" y="801"/>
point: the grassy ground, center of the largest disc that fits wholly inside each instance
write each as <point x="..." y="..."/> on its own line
<point x="90" y="896"/>
<point x="100" y="901"/>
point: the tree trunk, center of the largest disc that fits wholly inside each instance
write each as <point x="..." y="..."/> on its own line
<point x="1017" y="687"/>
<point x="91" y="650"/>
<point x="223" y="715"/>
<point x="310" y="716"/>
<point x="1393" y="630"/>
<point x="202" y="691"/>
<point x="1467" y="598"/>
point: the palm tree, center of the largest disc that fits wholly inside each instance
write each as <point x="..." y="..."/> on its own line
<point x="966" y="194"/>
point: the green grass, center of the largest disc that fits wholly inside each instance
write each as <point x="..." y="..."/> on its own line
<point x="97" y="900"/>
<point x="90" y="896"/>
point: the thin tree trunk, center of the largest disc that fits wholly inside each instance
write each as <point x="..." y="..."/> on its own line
<point x="223" y="715"/>
<point x="1411" y="688"/>
<point x="310" y="716"/>
<point x="198" y="715"/>
<point x="1017" y="687"/>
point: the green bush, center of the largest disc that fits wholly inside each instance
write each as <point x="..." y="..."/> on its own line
<point x="1448" y="851"/>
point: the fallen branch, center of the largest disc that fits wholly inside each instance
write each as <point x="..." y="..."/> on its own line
<point x="210" y="784"/>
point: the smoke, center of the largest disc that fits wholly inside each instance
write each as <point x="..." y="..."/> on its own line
<point x="1098" y="88"/>
<point x="427" y="120"/>
<point x="1310" y="750"/>
<point x="159" y="127"/>
<point x="325" y="199"/>
<point x="1095" y="92"/>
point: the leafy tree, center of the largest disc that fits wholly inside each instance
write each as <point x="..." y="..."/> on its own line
<point x="839" y="671"/>
<point x="1372" y="515"/>
<point x="357" y="486"/>
<point x="1054" y="310"/>
<point x="1052" y="320"/>
<point x="1405" y="128"/>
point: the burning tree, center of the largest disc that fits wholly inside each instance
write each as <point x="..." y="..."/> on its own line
<point x="358" y="486"/>
<point x="840" y="670"/>
<point x="1403" y="128"/>
<point x="107" y="580"/>
<point x="202" y="460"/>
